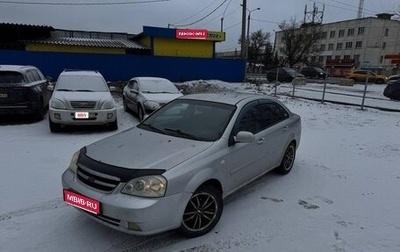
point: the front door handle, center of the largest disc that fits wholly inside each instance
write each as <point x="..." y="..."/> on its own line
<point x="261" y="140"/>
<point x="285" y="128"/>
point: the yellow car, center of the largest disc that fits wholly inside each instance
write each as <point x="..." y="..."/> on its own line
<point x="361" y="76"/>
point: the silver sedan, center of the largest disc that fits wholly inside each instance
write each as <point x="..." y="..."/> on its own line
<point x="143" y="95"/>
<point x="173" y="170"/>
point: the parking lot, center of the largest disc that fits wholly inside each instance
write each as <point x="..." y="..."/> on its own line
<point x="340" y="196"/>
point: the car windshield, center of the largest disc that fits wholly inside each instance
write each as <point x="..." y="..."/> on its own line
<point x="81" y="83"/>
<point x="9" y="77"/>
<point x="192" y="119"/>
<point x="158" y="86"/>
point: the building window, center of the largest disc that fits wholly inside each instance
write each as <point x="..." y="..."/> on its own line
<point x="346" y="57"/>
<point x="350" y="32"/>
<point x="386" y="32"/>
<point x="324" y="35"/>
<point x="349" y="45"/>
<point x="332" y="34"/>
<point x="330" y="47"/>
<point x="361" y="30"/>
<point x="339" y="46"/>
<point x="358" y="44"/>
<point x="381" y="59"/>
<point x="328" y="57"/>
<point x="383" y="45"/>
<point x="341" y="33"/>
<point x="322" y="48"/>
<point x="337" y="57"/>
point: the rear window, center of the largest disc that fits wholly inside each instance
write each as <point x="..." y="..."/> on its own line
<point x="10" y="77"/>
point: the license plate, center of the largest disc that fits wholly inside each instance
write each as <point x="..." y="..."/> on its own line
<point x="3" y="95"/>
<point x="81" y="115"/>
<point x="82" y="202"/>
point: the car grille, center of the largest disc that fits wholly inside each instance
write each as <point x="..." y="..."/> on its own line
<point x="96" y="179"/>
<point x="83" y="104"/>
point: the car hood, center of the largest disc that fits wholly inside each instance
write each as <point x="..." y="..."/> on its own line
<point x="81" y="96"/>
<point x="161" y="97"/>
<point x="141" y="149"/>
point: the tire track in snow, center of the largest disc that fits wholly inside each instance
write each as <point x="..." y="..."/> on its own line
<point x="45" y="206"/>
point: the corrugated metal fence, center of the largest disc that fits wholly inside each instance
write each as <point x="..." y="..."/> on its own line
<point x="124" y="67"/>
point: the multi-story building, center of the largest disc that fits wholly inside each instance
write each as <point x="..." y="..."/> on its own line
<point x="365" y="43"/>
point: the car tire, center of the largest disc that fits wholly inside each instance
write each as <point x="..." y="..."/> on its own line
<point x="140" y="113"/>
<point x="379" y="81"/>
<point x="54" y="127"/>
<point x="288" y="160"/>
<point x="202" y="212"/>
<point x="113" y="125"/>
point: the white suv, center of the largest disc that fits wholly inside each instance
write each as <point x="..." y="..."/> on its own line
<point x="81" y="98"/>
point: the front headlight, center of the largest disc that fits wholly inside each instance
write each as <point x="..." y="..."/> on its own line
<point x="147" y="186"/>
<point x="74" y="160"/>
<point x="107" y="105"/>
<point x="57" y="104"/>
<point x="151" y="105"/>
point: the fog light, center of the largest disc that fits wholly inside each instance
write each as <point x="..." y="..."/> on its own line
<point x="133" y="226"/>
<point x="109" y="115"/>
<point x="57" y="116"/>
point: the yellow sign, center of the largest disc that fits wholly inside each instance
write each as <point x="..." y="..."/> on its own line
<point x="216" y="36"/>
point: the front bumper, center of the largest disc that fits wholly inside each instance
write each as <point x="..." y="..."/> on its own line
<point x="131" y="214"/>
<point x="96" y="117"/>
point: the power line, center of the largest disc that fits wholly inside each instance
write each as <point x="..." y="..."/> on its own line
<point x="85" y="3"/>
<point x="201" y="19"/>
<point x="195" y="13"/>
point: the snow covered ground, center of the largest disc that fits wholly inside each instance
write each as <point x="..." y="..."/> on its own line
<point x="342" y="194"/>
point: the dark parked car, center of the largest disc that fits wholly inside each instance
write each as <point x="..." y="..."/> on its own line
<point x="392" y="90"/>
<point x="314" y="72"/>
<point x="285" y="74"/>
<point x="23" y="90"/>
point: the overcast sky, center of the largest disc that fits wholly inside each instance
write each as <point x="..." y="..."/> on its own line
<point x="131" y="15"/>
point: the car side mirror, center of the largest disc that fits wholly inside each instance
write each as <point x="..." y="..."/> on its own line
<point x="245" y="137"/>
<point x="50" y="87"/>
<point x="112" y="89"/>
<point x="133" y="91"/>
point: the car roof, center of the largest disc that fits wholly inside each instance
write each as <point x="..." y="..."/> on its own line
<point x="148" y="78"/>
<point x="15" y="67"/>
<point x="81" y="73"/>
<point x="231" y="98"/>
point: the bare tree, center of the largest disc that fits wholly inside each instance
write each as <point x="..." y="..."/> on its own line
<point x="259" y="48"/>
<point x="300" y="41"/>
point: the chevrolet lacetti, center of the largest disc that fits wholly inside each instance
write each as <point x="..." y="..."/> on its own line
<point x="173" y="170"/>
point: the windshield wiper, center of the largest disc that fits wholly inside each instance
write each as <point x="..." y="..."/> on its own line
<point x="84" y="90"/>
<point x="150" y="127"/>
<point x="182" y="134"/>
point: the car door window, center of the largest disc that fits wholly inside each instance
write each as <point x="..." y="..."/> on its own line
<point x="270" y="113"/>
<point x="135" y="85"/>
<point x="248" y="119"/>
<point x="130" y="84"/>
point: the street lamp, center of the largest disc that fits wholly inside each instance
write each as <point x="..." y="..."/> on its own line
<point x="248" y="31"/>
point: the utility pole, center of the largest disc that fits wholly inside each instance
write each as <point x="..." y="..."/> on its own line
<point x="243" y="37"/>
